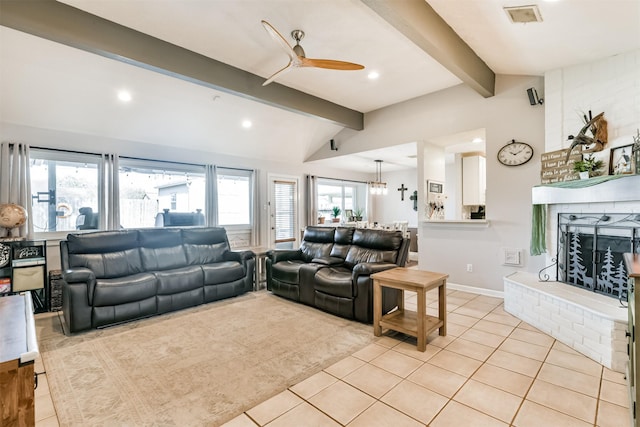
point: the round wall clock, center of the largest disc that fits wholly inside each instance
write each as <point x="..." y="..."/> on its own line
<point x="515" y="153"/>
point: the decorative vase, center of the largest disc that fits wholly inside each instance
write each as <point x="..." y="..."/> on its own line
<point x="320" y="220"/>
<point x="584" y="175"/>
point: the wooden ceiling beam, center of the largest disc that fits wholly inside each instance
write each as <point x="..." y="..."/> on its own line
<point x="417" y="20"/>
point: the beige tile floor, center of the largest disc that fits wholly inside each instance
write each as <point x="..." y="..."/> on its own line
<point x="490" y="370"/>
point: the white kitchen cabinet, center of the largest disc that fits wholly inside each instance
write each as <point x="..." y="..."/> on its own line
<point x="474" y="180"/>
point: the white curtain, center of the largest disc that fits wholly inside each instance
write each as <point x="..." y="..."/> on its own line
<point x="312" y="200"/>
<point x="255" y="228"/>
<point x="210" y="199"/>
<point x="16" y="183"/>
<point x="110" y="203"/>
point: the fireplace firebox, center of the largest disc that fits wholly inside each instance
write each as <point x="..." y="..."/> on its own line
<point x="591" y="248"/>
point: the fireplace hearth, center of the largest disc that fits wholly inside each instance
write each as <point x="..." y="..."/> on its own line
<point x="591" y="247"/>
<point x="581" y="316"/>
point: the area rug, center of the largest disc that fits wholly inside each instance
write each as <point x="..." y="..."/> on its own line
<point x="197" y="367"/>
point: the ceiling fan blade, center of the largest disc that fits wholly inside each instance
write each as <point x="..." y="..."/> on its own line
<point x="278" y="73"/>
<point x="280" y="40"/>
<point x="330" y="64"/>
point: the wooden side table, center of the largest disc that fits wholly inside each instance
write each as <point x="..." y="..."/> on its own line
<point x="417" y="324"/>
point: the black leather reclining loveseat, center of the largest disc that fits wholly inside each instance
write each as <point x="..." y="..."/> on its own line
<point x="331" y="269"/>
<point x="116" y="276"/>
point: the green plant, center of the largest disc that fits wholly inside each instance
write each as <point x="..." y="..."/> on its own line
<point x="588" y="164"/>
<point x="358" y="212"/>
<point x="335" y="212"/>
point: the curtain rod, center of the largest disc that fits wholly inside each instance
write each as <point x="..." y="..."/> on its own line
<point x="133" y="158"/>
<point x="338" y="179"/>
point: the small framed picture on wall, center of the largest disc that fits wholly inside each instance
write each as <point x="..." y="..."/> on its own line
<point x="620" y="161"/>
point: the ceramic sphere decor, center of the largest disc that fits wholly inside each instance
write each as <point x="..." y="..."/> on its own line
<point x="12" y="216"/>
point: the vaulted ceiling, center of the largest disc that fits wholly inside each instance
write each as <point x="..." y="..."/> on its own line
<point x="195" y="68"/>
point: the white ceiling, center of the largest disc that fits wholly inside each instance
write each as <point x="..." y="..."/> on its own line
<point x="45" y="84"/>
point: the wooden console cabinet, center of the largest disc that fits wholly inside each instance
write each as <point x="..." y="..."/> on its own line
<point x="633" y="374"/>
<point x="18" y="351"/>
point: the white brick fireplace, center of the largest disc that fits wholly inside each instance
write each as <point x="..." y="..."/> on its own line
<point x="590" y="323"/>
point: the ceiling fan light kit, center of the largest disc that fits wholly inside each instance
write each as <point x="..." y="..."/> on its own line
<point x="298" y="57"/>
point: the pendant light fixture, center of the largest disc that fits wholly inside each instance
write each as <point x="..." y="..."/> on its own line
<point x="378" y="187"/>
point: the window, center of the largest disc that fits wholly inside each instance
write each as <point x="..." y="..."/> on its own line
<point x="234" y="196"/>
<point x="149" y="189"/>
<point x="343" y="194"/>
<point x="62" y="184"/>
<point x="284" y="213"/>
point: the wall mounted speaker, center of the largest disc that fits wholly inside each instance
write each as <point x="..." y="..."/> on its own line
<point x="533" y="97"/>
<point x="333" y="145"/>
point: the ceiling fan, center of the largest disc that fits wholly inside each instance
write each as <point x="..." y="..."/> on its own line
<point x="297" y="57"/>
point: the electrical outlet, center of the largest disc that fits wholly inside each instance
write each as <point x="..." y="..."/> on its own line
<point x="469" y="268"/>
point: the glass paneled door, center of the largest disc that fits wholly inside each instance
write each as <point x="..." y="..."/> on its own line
<point x="284" y="213"/>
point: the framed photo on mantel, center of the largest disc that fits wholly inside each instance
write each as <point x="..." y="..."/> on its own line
<point x="620" y="160"/>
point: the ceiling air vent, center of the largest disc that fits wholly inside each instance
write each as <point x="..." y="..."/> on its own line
<point x="523" y="14"/>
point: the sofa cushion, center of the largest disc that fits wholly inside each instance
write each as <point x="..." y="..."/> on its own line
<point x="334" y="281"/>
<point x="155" y="259"/>
<point x="374" y="246"/>
<point x="101" y="242"/>
<point x="205" y="245"/>
<point x="357" y="255"/>
<point x="179" y="280"/>
<point x="109" y="265"/>
<point x="159" y="237"/>
<point x="385" y="240"/>
<point x="222" y="272"/>
<point x="287" y="271"/>
<point x="161" y="249"/>
<point x="124" y="289"/>
<point x="343" y="239"/>
<point x="317" y="242"/>
<point x="108" y="254"/>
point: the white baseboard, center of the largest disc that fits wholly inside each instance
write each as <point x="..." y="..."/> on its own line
<point x="476" y="290"/>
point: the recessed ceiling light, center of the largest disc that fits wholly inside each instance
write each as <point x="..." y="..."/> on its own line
<point x="124" y="95"/>
<point x="476" y="140"/>
<point x="373" y="75"/>
<point x="246" y="124"/>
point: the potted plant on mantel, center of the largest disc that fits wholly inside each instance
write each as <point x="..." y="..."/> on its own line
<point x="335" y="213"/>
<point x="357" y="214"/>
<point x="588" y="167"/>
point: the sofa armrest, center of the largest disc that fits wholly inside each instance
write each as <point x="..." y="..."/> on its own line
<point x="78" y="275"/>
<point x="368" y="268"/>
<point x="239" y="256"/>
<point x="363" y="301"/>
<point x="278" y="255"/>
<point x="81" y="275"/>
<point x="332" y="260"/>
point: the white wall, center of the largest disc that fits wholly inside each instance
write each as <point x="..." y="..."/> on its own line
<point x="505" y="116"/>
<point x="389" y="208"/>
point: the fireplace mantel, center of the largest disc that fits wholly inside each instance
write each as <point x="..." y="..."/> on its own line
<point x="621" y="189"/>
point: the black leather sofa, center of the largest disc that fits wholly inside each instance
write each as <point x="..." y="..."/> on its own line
<point x="115" y="276"/>
<point x="331" y="269"/>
